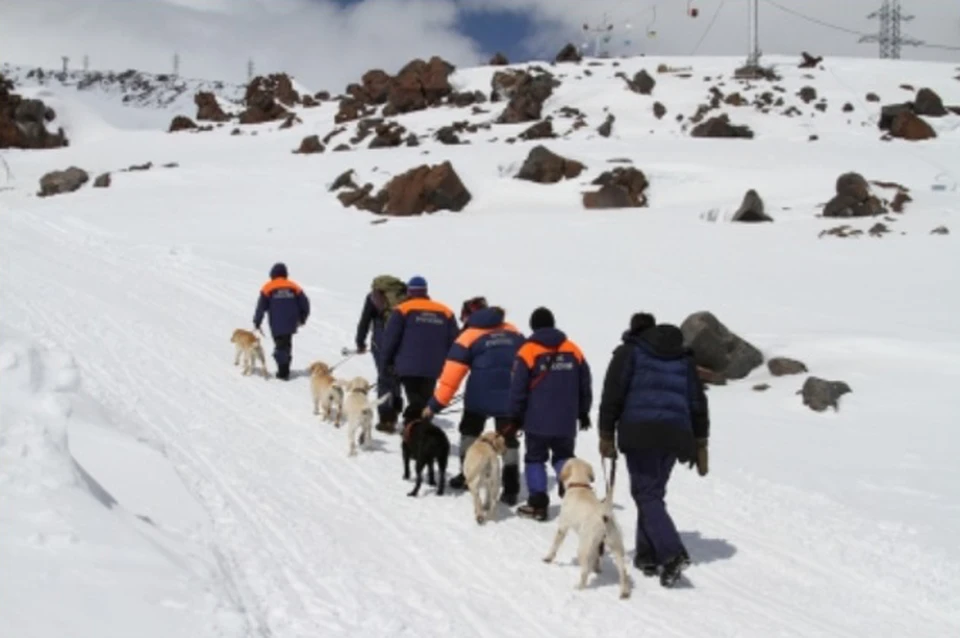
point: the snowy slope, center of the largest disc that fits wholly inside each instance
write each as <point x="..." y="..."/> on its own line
<point x="834" y="524"/>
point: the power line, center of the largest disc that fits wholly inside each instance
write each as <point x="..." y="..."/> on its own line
<point x="713" y="21"/>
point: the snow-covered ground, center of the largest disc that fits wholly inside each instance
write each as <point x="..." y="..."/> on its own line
<point x="148" y="489"/>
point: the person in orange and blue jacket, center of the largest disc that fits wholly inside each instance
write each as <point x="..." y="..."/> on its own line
<point x="550" y="394"/>
<point x="485" y="349"/>
<point x="289" y="308"/>
<point x="418" y="336"/>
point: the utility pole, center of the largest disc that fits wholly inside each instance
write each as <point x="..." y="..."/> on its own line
<point x="176" y="65"/>
<point x="249" y="70"/>
<point x="66" y="62"/>
<point x="889" y="36"/>
<point x="753" y="34"/>
<point x="86" y="63"/>
<point x="601" y="36"/>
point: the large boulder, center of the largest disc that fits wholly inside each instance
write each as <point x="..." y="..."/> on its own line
<point x="928" y="103"/>
<point x="526" y="94"/>
<point x="23" y="122"/>
<point x="498" y="59"/>
<point x="545" y="167"/>
<point x="426" y="189"/>
<point x="65" y="181"/>
<point x="351" y="109"/>
<point x="262" y="100"/>
<point x="910" y="126"/>
<point x="208" y="109"/>
<point x="751" y="209"/>
<point x="642" y="83"/>
<point x="623" y="187"/>
<point x="418" y="85"/>
<point x="718" y="349"/>
<point x="181" y="123"/>
<point x="569" y="53"/>
<point x="309" y="145"/>
<point x="853" y="198"/>
<point x="720" y="126"/>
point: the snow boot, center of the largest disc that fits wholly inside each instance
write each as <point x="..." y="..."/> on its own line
<point x="647" y="564"/>
<point x="510" y="480"/>
<point x="673" y="570"/>
<point x="283" y="371"/>
<point x="535" y="507"/>
<point x="458" y="482"/>
<point x="388" y="426"/>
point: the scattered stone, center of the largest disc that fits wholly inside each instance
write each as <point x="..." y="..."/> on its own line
<point x="807" y="94"/>
<point x="344" y="180"/>
<point x="659" y="110"/>
<point x="940" y="230"/>
<point x="841" y="231"/>
<point x="720" y="126"/>
<point x="182" y="123"/>
<point x="878" y="230"/>
<point x="545" y="167"/>
<point x="873" y="97"/>
<point x="642" y="83"/>
<point x="623" y="187"/>
<point x="539" y="131"/>
<point x="735" y="99"/>
<point x="569" y="53"/>
<point x="606" y="128"/>
<point x="23" y="122"/>
<point x="447" y="135"/>
<point x="290" y="121"/>
<point x="499" y="59"/>
<point x="310" y="144"/>
<point x="813" y="138"/>
<point x="900" y="200"/>
<point x="140" y="167"/>
<point x="808" y="61"/>
<point x="820" y="394"/>
<point x="761" y="387"/>
<point x="468" y="98"/>
<point x="388" y="135"/>
<point x="419" y="85"/>
<point x="351" y="109"/>
<point x="171" y="165"/>
<point x="526" y="94"/>
<point x="718" y="349"/>
<point x="102" y="181"/>
<point x="65" y="181"/>
<point x="782" y="366"/>
<point x="821" y="106"/>
<point x="853" y="198"/>
<point x="425" y="189"/>
<point x="208" y="108"/>
<point x="907" y="87"/>
<point x="342" y="147"/>
<point x="261" y="102"/>
<point x="751" y="209"/>
<point x="309" y="102"/>
<point x="329" y="136"/>
<point x="322" y="96"/>
<point x="847" y="108"/>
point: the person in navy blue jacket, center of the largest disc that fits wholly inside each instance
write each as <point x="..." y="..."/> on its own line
<point x="372" y="320"/>
<point x="416" y="340"/>
<point x="289" y="308"/>
<point x="485" y="349"/>
<point x="655" y="408"/>
<point x="550" y="393"/>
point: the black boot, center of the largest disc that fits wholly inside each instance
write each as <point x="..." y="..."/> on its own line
<point x="510" y="481"/>
<point x="673" y="570"/>
<point x="535" y="507"/>
<point x="646" y="563"/>
<point x="283" y="371"/>
<point x="388" y="426"/>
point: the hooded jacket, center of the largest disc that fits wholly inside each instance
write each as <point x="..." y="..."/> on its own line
<point x="486" y="349"/>
<point x="652" y="396"/>
<point x="550" y="385"/>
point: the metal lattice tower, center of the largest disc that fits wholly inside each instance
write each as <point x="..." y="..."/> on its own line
<point x="889" y="35"/>
<point x="753" y="30"/>
<point x="601" y="36"/>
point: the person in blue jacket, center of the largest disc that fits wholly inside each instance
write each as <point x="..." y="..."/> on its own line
<point x="373" y="322"/>
<point x="416" y="340"/>
<point x="550" y="394"/>
<point x="485" y="349"/>
<point x="288" y="307"/>
<point x="654" y="407"/>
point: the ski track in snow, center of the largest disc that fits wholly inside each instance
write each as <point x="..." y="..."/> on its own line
<point x="144" y="283"/>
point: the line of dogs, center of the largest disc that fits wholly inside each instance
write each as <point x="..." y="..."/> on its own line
<point x="347" y="401"/>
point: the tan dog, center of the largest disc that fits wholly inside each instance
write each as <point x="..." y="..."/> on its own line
<point x="249" y="347"/>
<point x="481" y="468"/>
<point x="358" y="411"/>
<point x="327" y="392"/>
<point x="593" y="521"/>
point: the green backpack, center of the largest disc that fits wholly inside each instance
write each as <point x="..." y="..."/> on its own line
<point x="393" y="290"/>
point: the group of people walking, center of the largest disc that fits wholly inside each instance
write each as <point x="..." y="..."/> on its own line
<point x="653" y="407"/>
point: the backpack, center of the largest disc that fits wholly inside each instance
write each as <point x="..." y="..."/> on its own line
<point x="392" y="290"/>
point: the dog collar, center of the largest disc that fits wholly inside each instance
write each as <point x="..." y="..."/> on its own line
<point x="586" y="485"/>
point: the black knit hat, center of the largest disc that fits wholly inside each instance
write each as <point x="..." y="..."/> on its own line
<point x="542" y="318"/>
<point x="642" y="321"/>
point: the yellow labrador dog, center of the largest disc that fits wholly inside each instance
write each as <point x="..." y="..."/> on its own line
<point x="358" y="411"/>
<point x="481" y="468"/>
<point x="249" y="347"/>
<point x="593" y="521"/>
<point x="327" y="392"/>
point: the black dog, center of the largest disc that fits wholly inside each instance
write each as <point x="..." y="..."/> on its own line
<point x="425" y="443"/>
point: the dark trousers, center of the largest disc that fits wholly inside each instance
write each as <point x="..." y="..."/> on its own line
<point x="542" y="449"/>
<point x="418" y="391"/>
<point x="657" y="538"/>
<point x="388" y="383"/>
<point x="283" y="351"/>
<point x="471" y="427"/>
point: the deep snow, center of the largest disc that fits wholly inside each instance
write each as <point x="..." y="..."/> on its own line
<point x="834" y="524"/>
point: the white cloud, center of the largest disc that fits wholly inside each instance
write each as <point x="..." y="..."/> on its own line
<point x="322" y="44"/>
<point x="558" y="21"/>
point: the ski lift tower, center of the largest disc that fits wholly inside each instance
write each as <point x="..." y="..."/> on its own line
<point x="601" y="36"/>
<point x="752" y="68"/>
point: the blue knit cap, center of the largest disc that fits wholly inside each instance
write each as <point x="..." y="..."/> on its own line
<point x="417" y="284"/>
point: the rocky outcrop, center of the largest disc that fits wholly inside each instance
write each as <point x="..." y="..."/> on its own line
<point x="853" y="198"/>
<point x="424" y="189"/>
<point x="929" y="104"/>
<point x="263" y="99"/>
<point x="569" y="53"/>
<point x="526" y="93"/>
<point x="23" y="123"/>
<point x="310" y="144"/>
<point x="545" y="167"/>
<point x="181" y="123"/>
<point x="539" y="131"/>
<point x="641" y="83"/>
<point x="718" y="349"/>
<point x="623" y="187"/>
<point x="498" y="59"/>
<point x="720" y="126"/>
<point x="208" y="108"/>
<point x="418" y="85"/>
<point x="65" y="181"/>
<point x="751" y="209"/>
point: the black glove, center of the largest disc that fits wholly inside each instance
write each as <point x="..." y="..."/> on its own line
<point x="608" y="448"/>
<point x="584" y="422"/>
<point x="361" y="348"/>
<point x="509" y="430"/>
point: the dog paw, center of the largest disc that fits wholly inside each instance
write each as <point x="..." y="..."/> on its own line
<point x="412" y="494"/>
<point x="548" y="559"/>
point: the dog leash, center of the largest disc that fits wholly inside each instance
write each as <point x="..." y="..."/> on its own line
<point x="610" y="479"/>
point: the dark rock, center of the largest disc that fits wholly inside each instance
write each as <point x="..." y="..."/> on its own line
<point x="344" y="180"/>
<point x="909" y="126"/>
<point x="447" y="135"/>
<point x="782" y="366"/>
<point x="526" y="94"/>
<point x="751" y="209"/>
<point x="808" y="61"/>
<point x="102" y="181"/>
<point x="606" y="128"/>
<point x="720" y="126"/>
<point x="820" y="394"/>
<point x="716" y="348"/>
<point x="426" y="189"/>
<point x="807" y="94"/>
<point x="873" y="97"/>
<point x="623" y="187"/>
<point x="940" y="230"/>
<point x="498" y="59"/>
<point x="569" y="53"/>
<point x="310" y="144"/>
<point x="182" y="123"/>
<point x="539" y="131"/>
<point x="208" y="109"/>
<point x="545" y="167"/>
<point x="65" y="181"/>
<point x="642" y="83"/>
<point x="761" y="387"/>
<point x="847" y="108"/>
